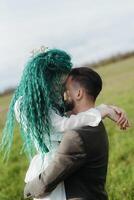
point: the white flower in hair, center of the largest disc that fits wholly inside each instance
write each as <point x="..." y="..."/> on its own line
<point x="36" y="51"/>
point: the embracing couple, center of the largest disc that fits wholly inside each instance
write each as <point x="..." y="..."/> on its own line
<point x="55" y="106"/>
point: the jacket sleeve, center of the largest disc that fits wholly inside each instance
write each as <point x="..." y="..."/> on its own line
<point x="69" y="157"/>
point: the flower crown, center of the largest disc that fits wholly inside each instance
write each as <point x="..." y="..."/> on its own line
<point x="36" y="51"/>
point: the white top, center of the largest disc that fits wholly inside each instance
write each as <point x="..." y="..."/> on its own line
<point x="91" y="117"/>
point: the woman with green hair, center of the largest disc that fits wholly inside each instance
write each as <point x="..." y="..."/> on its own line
<point x="39" y="109"/>
<point x="40" y="89"/>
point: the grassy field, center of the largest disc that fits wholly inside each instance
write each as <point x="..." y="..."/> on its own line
<point x="118" y="89"/>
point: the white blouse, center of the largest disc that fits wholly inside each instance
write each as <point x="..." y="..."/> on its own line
<point x="91" y="117"/>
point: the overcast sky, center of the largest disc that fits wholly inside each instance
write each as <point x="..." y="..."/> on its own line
<point x="88" y="30"/>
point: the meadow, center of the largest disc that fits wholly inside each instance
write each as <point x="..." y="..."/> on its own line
<point x="118" y="89"/>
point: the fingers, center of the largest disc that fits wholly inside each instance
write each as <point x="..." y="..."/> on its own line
<point x="124" y="125"/>
<point x="121" y="113"/>
<point x="122" y="121"/>
<point x="122" y="116"/>
<point x="116" y="109"/>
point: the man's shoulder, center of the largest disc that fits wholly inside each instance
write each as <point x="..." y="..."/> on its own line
<point x="76" y="134"/>
<point x="88" y="133"/>
<point x="86" y="128"/>
<point x="77" y="138"/>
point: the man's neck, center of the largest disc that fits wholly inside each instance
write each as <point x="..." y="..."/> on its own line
<point x="83" y="107"/>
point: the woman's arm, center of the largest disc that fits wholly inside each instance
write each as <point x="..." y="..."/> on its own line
<point x="107" y="111"/>
<point x="90" y="118"/>
<point x="116" y="114"/>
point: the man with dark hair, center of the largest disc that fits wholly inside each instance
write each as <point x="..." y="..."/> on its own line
<point x="87" y="78"/>
<point x="83" y="85"/>
<point x="82" y="157"/>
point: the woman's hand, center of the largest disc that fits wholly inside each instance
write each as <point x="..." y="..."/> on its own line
<point x="122" y="121"/>
<point x="116" y="114"/>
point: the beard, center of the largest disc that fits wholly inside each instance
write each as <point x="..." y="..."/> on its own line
<point x="69" y="105"/>
<point x="63" y="106"/>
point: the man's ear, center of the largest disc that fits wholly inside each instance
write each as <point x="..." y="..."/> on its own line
<point x="80" y="93"/>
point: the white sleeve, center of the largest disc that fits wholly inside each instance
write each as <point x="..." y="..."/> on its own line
<point x="90" y="118"/>
<point x="103" y="109"/>
<point x="17" y="109"/>
<point x="107" y="111"/>
<point x="17" y="113"/>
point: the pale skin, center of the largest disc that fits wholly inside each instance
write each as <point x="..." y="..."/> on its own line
<point x="74" y="91"/>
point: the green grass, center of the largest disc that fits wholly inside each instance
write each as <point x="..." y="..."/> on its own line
<point x="118" y="89"/>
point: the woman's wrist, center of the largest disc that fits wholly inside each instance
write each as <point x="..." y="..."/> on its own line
<point x="104" y="110"/>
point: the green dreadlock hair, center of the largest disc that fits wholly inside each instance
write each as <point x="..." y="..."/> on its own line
<point x="40" y="88"/>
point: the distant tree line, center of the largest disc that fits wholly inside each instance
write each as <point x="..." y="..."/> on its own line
<point x="110" y="60"/>
<point x="7" y="91"/>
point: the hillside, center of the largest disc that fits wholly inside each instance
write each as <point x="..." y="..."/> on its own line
<point x="118" y="89"/>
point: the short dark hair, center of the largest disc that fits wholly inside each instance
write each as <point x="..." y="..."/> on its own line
<point x="89" y="79"/>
